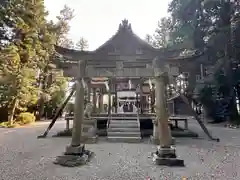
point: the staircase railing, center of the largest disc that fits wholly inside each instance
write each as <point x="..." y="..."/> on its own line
<point x="109" y="121"/>
<point x="138" y="119"/>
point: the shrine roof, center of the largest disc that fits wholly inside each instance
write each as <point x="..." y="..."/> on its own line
<point x="179" y="54"/>
<point x="69" y="52"/>
<point x="123" y="42"/>
<point x="126" y="42"/>
<point x="125" y="38"/>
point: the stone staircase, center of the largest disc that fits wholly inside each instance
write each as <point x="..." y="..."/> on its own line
<point x="124" y="128"/>
<point x="89" y="130"/>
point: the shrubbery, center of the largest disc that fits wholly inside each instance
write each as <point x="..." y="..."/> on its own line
<point x="25" y="118"/>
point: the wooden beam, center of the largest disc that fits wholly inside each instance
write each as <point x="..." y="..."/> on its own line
<point x="124" y="72"/>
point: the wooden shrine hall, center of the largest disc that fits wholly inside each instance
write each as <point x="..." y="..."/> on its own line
<point x="120" y="78"/>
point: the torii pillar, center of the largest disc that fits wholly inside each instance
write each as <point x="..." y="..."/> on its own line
<point x="166" y="153"/>
<point x="75" y="153"/>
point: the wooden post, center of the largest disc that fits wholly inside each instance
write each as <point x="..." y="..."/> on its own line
<point x="100" y="101"/>
<point x="116" y="97"/>
<point x="173" y="106"/>
<point x="153" y="101"/>
<point x="67" y="124"/>
<point x="109" y="98"/>
<point x="94" y="100"/>
<point x="141" y="98"/>
<point x="89" y="91"/>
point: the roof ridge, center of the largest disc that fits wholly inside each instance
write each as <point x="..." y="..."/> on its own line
<point x="125" y="27"/>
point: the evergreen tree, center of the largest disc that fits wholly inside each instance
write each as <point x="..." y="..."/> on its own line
<point x="162" y="33"/>
<point x="27" y="44"/>
<point x="21" y="22"/>
<point x="82" y="44"/>
<point x="207" y="25"/>
<point x="149" y="39"/>
<point x="63" y="27"/>
<point x="46" y="80"/>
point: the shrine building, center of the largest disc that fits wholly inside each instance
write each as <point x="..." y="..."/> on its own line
<point x="120" y="82"/>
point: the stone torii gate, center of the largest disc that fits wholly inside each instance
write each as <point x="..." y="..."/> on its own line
<point x="76" y="153"/>
<point x="124" y="56"/>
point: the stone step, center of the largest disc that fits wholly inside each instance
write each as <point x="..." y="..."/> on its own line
<point x="123" y="122"/>
<point x="88" y="129"/>
<point x="124" y="139"/>
<point x="124" y="115"/>
<point x="124" y="134"/>
<point x="132" y="125"/>
<point x="124" y="118"/>
<point x="89" y="139"/>
<point x="88" y="125"/>
<point x="91" y="121"/>
<point x="124" y="125"/>
<point x="120" y="129"/>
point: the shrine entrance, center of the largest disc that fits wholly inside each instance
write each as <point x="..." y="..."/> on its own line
<point x="124" y="59"/>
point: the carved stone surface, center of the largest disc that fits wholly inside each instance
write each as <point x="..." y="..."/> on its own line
<point x="155" y="140"/>
<point x="74" y="160"/>
<point x="174" y="162"/>
<point x="89" y="135"/>
<point x="88" y="110"/>
<point x="124" y="72"/>
<point x="70" y="150"/>
<point x="166" y="156"/>
<point x="166" y="152"/>
<point x="90" y="140"/>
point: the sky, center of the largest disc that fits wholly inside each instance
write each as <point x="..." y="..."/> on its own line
<point x="98" y="20"/>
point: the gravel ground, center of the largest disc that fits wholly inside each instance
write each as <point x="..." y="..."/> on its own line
<point x="23" y="157"/>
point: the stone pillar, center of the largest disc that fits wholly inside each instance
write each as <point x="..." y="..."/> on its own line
<point x="78" y="115"/>
<point x="166" y="154"/>
<point x="162" y="114"/>
<point x="155" y="136"/>
<point x="76" y="154"/>
<point x="94" y="100"/>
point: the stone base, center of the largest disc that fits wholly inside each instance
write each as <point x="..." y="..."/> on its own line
<point x="75" y="150"/>
<point x="184" y="133"/>
<point x="74" y="156"/>
<point x="90" y="140"/>
<point x="166" y="156"/>
<point x="157" y="142"/>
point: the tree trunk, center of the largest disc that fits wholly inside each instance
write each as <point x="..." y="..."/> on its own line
<point x="43" y="86"/>
<point x="40" y="109"/>
<point x="12" y="113"/>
